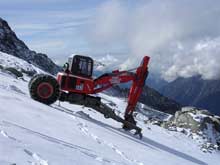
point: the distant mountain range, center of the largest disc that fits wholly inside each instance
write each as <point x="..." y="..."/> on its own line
<point x="195" y="91"/>
<point x="155" y="81"/>
<point x="11" y="44"/>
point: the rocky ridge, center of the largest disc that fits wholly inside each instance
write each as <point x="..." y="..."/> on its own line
<point x="11" y="44"/>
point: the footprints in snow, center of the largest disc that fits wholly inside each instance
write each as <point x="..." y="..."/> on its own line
<point x="3" y="133"/>
<point x="36" y="157"/>
<point x="12" y="88"/>
<point x="40" y="161"/>
<point x="84" y="128"/>
<point x="15" y="89"/>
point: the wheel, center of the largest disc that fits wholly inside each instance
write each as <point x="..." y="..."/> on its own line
<point x="32" y="79"/>
<point x="44" y="88"/>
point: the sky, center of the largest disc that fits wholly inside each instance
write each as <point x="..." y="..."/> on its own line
<point x="181" y="37"/>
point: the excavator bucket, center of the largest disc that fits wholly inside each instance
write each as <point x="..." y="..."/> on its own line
<point x="109" y="113"/>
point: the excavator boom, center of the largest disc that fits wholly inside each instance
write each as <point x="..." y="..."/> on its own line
<point x="117" y="77"/>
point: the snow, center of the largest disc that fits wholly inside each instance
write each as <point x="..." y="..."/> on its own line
<point x="210" y="132"/>
<point x="198" y="117"/>
<point x="66" y="134"/>
<point x="7" y="60"/>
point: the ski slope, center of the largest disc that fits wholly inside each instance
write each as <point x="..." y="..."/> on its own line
<point x="65" y="134"/>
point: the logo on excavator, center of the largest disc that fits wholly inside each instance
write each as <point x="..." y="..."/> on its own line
<point x="79" y="87"/>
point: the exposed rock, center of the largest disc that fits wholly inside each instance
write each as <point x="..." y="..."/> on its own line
<point x="11" y="44"/>
<point x="200" y="124"/>
<point x="30" y="73"/>
<point x="14" y="71"/>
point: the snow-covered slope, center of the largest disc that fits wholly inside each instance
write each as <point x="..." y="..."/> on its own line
<point x="7" y="60"/>
<point x="33" y="133"/>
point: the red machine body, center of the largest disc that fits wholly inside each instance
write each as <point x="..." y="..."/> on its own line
<point x="77" y="78"/>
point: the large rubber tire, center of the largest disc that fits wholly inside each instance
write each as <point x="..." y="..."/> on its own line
<point x="32" y="79"/>
<point x="44" y="88"/>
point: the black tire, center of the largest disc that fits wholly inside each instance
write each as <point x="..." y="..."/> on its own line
<point x="42" y="83"/>
<point x="32" y="79"/>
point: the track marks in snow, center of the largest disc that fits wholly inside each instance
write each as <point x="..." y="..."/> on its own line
<point x="3" y="133"/>
<point x="2" y="162"/>
<point x="12" y="88"/>
<point x="84" y="128"/>
<point x="36" y="157"/>
<point x="77" y="148"/>
<point x="15" y="89"/>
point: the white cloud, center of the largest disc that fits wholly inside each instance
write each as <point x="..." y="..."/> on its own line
<point x="109" y="62"/>
<point x="172" y="33"/>
<point x="202" y="59"/>
<point x="162" y="30"/>
<point x="108" y="59"/>
<point x="57" y="33"/>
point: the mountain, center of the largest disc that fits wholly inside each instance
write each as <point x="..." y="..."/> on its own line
<point x="65" y="134"/>
<point x="149" y="97"/>
<point x="155" y="81"/>
<point x="195" y="91"/>
<point x="11" y="44"/>
<point x="98" y="66"/>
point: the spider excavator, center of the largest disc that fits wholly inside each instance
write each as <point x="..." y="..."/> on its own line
<point x="76" y="85"/>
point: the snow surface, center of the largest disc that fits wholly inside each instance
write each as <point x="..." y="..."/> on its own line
<point x="66" y="134"/>
<point x="7" y="60"/>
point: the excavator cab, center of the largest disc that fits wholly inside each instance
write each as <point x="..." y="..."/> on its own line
<point x="77" y="75"/>
<point x="80" y="66"/>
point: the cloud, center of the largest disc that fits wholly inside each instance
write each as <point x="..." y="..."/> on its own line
<point x="108" y="59"/>
<point x="179" y="36"/>
<point x="57" y="33"/>
<point x="48" y="18"/>
<point x="202" y="59"/>
<point x="107" y="62"/>
<point x="168" y="31"/>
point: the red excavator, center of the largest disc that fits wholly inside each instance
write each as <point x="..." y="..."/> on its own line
<point x="76" y="85"/>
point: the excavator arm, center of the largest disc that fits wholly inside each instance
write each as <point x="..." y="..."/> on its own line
<point x="116" y="77"/>
<point x="137" y="86"/>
